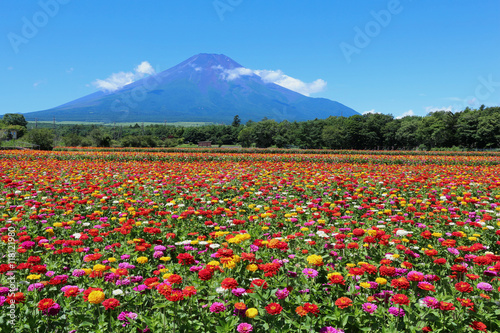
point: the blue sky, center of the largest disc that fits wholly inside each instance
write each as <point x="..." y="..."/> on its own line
<point x="398" y="57"/>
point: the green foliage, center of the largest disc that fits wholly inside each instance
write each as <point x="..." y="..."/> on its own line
<point x="468" y="129"/>
<point x="42" y="137"/>
<point x="14" y="119"/>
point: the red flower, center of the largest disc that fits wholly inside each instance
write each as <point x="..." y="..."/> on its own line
<point x="446" y="306"/>
<point x="175" y="279"/>
<point x="400" y="299"/>
<point x="229" y="283"/>
<point x="45" y="304"/>
<point x="111" y="303"/>
<point x="400" y="283"/>
<point x="205" y="274"/>
<point x="387" y="271"/>
<point x="175" y="295"/>
<point x="258" y="283"/>
<point x="463" y="287"/>
<point x="426" y="329"/>
<point x="72" y="292"/>
<point x="478" y="326"/>
<point x="311" y="308"/>
<point x="274" y="309"/>
<point x="343" y="302"/>
<point x="337" y="279"/>
<point x="189" y="291"/>
<point x="185" y="259"/>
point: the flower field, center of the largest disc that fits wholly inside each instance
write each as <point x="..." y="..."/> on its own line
<point x="140" y="241"/>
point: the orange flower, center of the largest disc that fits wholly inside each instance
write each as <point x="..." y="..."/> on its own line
<point x="343" y="302"/>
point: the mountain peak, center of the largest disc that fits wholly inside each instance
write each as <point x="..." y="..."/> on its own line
<point x="208" y="60"/>
<point x="203" y="88"/>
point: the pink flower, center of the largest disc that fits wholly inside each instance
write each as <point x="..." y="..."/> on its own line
<point x="369" y="307"/>
<point x="217" y="307"/>
<point x="244" y="328"/>
<point x="282" y="293"/>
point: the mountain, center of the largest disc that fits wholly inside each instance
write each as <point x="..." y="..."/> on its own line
<point x="203" y="88"/>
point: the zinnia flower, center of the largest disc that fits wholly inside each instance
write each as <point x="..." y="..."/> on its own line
<point x="274" y="308"/>
<point x="343" y="302"/>
<point x="369" y="307"/>
<point x="244" y="328"/>
<point x="217" y="307"/>
<point x="310" y="273"/>
<point x="398" y="312"/>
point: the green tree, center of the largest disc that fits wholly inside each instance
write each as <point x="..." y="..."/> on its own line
<point x="236" y="121"/>
<point x="43" y="137"/>
<point x="246" y="137"/>
<point x="14" y="119"/>
<point x="264" y="132"/>
<point x="72" y="140"/>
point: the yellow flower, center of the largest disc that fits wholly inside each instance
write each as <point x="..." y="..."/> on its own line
<point x="252" y="267"/>
<point x="230" y="264"/>
<point x="315" y="260"/>
<point x="33" y="277"/>
<point x="332" y="274"/>
<point x="437" y="234"/>
<point x="96" y="297"/>
<point x="166" y="276"/>
<point x="472" y="239"/>
<point x="350" y="265"/>
<point x="165" y="258"/>
<point x="214" y="263"/>
<point x="304" y="229"/>
<point x="365" y="285"/>
<point x="111" y="259"/>
<point x="381" y="281"/>
<point x="251" y="313"/>
<point x="87" y="271"/>
<point x="99" y="268"/>
<point x="142" y="260"/>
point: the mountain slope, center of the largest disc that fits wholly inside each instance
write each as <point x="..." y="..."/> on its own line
<point x="203" y="88"/>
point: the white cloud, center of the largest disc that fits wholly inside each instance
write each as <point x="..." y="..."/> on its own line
<point x="429" y="109"/>
<point x="277" y="77"/>
<point x="145" y="68"/>
<point x="408" y="113"/>
<point x="281" y="79"/>
<point x="38" y="83"/>
<point x="231" y="74"/>
<point x="117" y="80"/>
<point x="69" y="71"/>
<point x="371" y="111"/>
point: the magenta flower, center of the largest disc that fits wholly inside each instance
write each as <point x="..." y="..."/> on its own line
<point x="484" y="286"/>
<point x="238" y="291"/>
<point x="310" y="273"/>
<point x="329" y="329"/>
<point x="398" y="312"/>
<point x="244" y="328"/>
<point x="282" y="293"/>
<point x="217" y="307"/>
<point x="369" y="307"/>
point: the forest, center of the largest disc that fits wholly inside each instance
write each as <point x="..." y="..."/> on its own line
<point x="470" y="129"/>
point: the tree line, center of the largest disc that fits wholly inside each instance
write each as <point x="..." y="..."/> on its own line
<point x="467" y="129"/>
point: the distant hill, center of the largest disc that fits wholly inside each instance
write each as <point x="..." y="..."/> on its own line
<point x="203" y="88"/>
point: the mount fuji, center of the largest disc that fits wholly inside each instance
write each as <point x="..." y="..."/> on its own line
<point x="204" y="88"/>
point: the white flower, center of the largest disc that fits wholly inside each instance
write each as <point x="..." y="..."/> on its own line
<point x="117" y="292"/>
<point x="86" y="224"/>
<point x="221" y="290"/>
<point x="77" y="235"/>
<point x="214" y="246"/>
